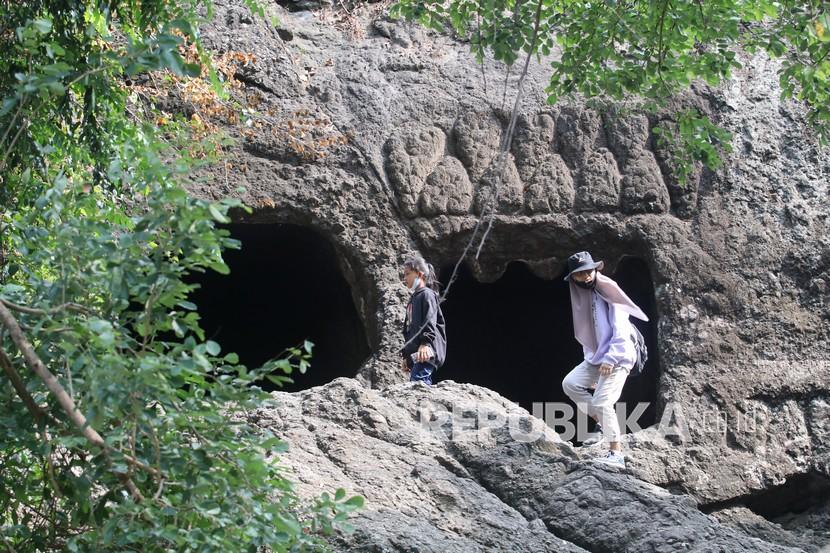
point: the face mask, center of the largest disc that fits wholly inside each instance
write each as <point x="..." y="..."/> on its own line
<point x="587" y="285"/>
<point x="415" y="284"/>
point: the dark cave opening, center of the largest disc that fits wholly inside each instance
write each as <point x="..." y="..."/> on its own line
<point x="285" y="286"/>
<point x="798" y="494"/>
<point x="801" y="506"/>
<point x="515" y="336"/>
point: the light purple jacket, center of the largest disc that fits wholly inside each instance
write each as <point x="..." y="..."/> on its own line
<point x="613" y="331"/>
<point x="601" y="323"/>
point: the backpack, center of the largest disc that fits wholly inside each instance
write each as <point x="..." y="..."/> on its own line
<point x="642" y="353"/>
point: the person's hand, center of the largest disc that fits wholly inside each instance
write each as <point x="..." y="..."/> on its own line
<point x="424" y="353"/>
<point x="605" y="369"/>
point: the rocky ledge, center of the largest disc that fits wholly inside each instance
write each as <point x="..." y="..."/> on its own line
<point x="456" y="467"/>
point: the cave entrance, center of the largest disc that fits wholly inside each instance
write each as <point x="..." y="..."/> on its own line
<point x="799" y="494"/>
<point x="285" y="286"/>
<point x="800" y="506"/>
<point x="515" y="336"/>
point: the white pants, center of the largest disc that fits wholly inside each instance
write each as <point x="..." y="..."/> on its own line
<point x="602" y="404"/>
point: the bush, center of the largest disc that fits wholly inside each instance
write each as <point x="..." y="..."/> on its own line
<point x="123" y="428"/>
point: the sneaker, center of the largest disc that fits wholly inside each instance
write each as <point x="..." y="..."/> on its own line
<point x="594" y="438"/>
<point x="612" y="458"/>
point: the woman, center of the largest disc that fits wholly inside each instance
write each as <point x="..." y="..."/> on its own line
<point x="601" y="313"/>
<point x="424" y="331"/>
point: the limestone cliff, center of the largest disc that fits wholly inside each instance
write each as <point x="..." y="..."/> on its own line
<point x="739" y="258"/>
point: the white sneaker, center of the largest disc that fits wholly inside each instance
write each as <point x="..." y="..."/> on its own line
<point x="613" y="458"/>
<point x="594" y="438"/>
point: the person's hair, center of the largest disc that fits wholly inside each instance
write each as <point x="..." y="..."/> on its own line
<point x="419" y="265"/>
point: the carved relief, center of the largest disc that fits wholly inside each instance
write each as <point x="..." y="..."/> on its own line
<point x="448" y="190"/>
<point x="643" y="189"/>
<point x="410" y="158"/>
<point x="598" y="183"/>
<point x="510" y="197"/>
<point x="551" y="187"/>
<point x="477" y="137"/>
<point x="577" y="135"/>
<point x="533" y="144"/>
<point x="571" y="160"/>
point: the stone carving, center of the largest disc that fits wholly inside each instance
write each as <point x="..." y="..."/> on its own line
<point x="551" y="187"/>
<point x="577" y="134"/>
<point x="582" y="145"/>
<point x="573" y="160"/>
<point x="511" y="190"/>
<point x="410" y="159"/>
<point x="598" y="183"/>
<point x="683" y="197"/>
<point x="477" y="136"/>
<point x="643" y="189"/>
<point x="533" y="144"/>
<point x="448" y="190"/>
<point x="627" y="135"/>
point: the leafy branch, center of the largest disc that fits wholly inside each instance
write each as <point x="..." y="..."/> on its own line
<point x="653" y="50"/>
<point x="122" y="425"/>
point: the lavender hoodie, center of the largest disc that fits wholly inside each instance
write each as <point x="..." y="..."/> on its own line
<point x="601" y="322"/>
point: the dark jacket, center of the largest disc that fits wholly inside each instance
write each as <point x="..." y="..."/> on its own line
<point x="424" y="324"/>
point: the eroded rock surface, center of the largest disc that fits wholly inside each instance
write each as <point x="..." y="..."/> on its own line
<point x="740" y="260"/>
<point x="455" y="467"/>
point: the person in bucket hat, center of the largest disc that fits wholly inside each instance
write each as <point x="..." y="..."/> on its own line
<point x="601" y="313"/>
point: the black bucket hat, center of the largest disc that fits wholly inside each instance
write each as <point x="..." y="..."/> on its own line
<point x="582" y="261"/>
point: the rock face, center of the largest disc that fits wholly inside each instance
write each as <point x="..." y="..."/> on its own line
<point x="455" y="467"/>
<point x="740" y="260"/>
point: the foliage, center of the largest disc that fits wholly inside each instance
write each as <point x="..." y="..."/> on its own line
<point x="616" y="48"/>
<point x="140" y="441"/>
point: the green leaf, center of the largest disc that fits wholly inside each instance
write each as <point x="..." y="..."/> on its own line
<point x="177" y="328"/>
<point x="279" y="380"/>
<point x="217" y="214"/>
<point x="43" y="26"/>
<point x="212" y="348"/>
<point x="7" y="106"/>
<point x="355" y="501"/>
<point x="220" y="268"/>
<point x="287" y="524"/>
<point x="185" y="26"/>
<point x="192" y="70"/>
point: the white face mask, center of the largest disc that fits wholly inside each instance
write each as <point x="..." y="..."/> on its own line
<point x="415" y="284"/>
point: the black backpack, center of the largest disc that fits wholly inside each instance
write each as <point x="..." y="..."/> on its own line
<point x="642" y="353"/>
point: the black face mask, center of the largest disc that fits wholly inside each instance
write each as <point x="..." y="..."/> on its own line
<point x="586" y="285"/>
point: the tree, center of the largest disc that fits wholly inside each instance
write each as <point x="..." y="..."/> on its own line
<point x="122" y="427"/>
<point x="651" y="50"/>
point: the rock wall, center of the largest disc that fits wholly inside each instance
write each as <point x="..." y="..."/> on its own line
<point x="740" y="258"/>
<point x="440" y="472"/>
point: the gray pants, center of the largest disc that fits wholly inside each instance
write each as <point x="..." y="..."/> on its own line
<point x="602" y="404"/>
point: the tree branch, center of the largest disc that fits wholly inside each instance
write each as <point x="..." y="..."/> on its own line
<point x="511" y="127"/>
<point x="20" y="388"/>
<point x="822" y="58"/>
<point x="20" y="130"/>
<point x="67" y="404"/>
<point x="13" y="121"/>
<point x="69" y="306"/>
